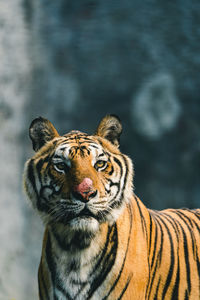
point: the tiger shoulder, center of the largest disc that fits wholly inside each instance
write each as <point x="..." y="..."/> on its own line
<point x="100" y="240"/>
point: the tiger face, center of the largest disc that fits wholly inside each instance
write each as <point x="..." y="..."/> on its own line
<point x="77" y="180"/>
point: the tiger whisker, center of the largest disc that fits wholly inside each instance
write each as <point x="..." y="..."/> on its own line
<point x="99" y="202"/>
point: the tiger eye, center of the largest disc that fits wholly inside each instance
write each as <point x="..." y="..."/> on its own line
<point x="60" y="166"/>
<point x="100" y="164"/>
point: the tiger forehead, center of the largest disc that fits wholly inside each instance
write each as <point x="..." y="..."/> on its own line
<point x="78" y="143"/>
<point x="75" y="134"/>
<point x="77" y="138"/>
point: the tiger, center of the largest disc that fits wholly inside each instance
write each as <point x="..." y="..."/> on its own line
<point x="100" y="241"/>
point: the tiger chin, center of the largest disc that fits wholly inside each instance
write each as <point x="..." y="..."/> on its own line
<point x="100" y="241"/>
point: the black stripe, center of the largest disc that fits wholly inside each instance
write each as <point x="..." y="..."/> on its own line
<point x="149" y="288"/>
<point x="104" y="185"/>
<point x="125" y="287"/>
<point x="76" y="139"/>
<point x="186" y="255"/>
<point x="31" y="176"/>
<point x="197" y="256"/>
<point x="73" y="151"/>
<point x="118" y="162"/>
<point x="196" y="225"/>
<point x="126" y="174"/>
<point x="143" y="221"/>
<point x="149" y="250"/>
<point x="107" y="153"/>
<point x="103" y="257"/>
<point x="52" y="268"/>
<point x="117" y="184"/>
<point x="93" y="146"/>
<point x="170" y="219"/>
<point x="160" y="251"/>
<point x="108" y="263"/>
<point x="127" y="247"/>
<point x="153" y="258"/>
<point x="79" y="241"/>
<point x="157" y="288"/>
<point x="155" y="244"/>
<point x="171" y="268"/>
<point x="113" y="203"/>
<point x="186" y="295"/>
<point x="39" y="165"/>
<point x="150" y="237"/>
<point x="82" y="149"/>
<point x="60" y="287"/>
<point x="103" y="253"/>
<point x="118" y="203"/>
<point x="50" y="261"/>
<point x="175" y="291"/>
<point x="111" y="171"/>
<point x="182" y="216"/>
<point x="197" y="214"/>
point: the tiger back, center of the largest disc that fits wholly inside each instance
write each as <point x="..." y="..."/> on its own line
<point x="100" y="241"/>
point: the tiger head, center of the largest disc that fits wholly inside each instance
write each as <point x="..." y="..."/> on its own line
<point x="78" y="180"/>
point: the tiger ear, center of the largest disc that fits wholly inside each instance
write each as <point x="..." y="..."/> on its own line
<point x="110" y="128"/>
<point x="41" y="131"/>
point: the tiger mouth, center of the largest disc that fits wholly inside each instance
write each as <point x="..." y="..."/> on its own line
<point x="86" y="213"/>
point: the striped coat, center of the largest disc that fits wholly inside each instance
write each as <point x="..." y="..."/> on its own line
<point x="100" y="241"/>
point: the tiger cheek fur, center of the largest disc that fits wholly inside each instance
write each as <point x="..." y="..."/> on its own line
<point x="100" y="241"/>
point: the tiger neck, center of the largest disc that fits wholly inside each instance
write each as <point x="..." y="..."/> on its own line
<point x="86" y="267"/>
<point x="79" y="244"/>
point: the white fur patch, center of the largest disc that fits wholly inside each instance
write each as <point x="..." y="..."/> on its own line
<point x="87" y="224"/>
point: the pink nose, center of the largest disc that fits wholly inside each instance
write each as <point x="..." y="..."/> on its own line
<point x="84" y="189"/>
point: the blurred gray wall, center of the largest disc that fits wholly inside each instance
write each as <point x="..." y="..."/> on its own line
<point x="75" y="61"/>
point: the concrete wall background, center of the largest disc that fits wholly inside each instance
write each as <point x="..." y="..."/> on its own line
<point x="75" y="61"/>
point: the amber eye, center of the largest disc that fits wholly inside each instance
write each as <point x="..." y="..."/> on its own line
<point x="100" y="164"/>
<point x="60" y="167"/>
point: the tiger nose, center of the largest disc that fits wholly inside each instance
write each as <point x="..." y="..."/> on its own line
<point x="84" y="191"/>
